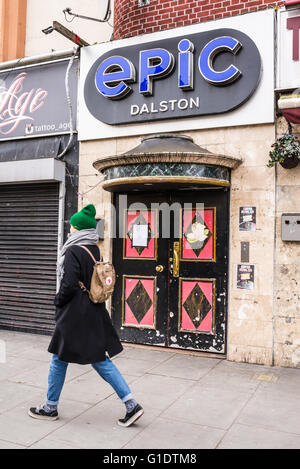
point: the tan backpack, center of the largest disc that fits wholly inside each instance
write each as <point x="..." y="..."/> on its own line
<point x="102" y="281"/>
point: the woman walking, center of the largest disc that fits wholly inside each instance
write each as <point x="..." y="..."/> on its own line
<point x="84" y="332"/>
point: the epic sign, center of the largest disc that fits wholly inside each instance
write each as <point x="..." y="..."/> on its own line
<point x="217" y="71"/>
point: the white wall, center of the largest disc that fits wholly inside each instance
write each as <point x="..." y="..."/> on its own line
<point x="41" y="14"/>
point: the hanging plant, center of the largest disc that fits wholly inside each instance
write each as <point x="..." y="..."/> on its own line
<point x="286" y="152"/>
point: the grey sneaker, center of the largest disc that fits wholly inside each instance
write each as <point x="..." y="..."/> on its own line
<point x="41" y="414"/>
<point x="131" y="417"/>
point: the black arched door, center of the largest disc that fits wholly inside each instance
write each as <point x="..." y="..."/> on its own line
<point x="170" y="255"/>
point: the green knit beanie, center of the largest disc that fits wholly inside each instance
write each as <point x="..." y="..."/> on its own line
<point x="84" y="219"/>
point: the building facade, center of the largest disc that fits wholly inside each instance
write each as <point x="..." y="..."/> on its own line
<point x="177" y="116"/>
<point x="38" y="187"/>
<point x="39" y="155"/>
<point x="249" y="320"/>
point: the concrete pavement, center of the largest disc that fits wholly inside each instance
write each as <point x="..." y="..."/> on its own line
<point x="189" y="401"/>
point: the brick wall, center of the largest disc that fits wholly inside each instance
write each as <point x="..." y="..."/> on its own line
<point x="132" y="20"/>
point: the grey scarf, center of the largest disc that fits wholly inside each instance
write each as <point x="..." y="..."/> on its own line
<point x="89" y="236"/>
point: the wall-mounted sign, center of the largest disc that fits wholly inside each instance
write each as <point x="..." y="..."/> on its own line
<point x="288" y="63"/>
<point x="199" y="76"/>
<point x="33" y="100"/>
<point x="245" y="276"/>
<point x="206" y="73"/>
<point x="247" y="219"/>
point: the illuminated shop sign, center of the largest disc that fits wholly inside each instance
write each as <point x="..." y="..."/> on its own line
<point x="33" y="101"/>
<point x="207" y="73"/>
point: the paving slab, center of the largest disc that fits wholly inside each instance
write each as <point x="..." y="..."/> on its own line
<point x="17" y="342"/>
<point x="158" y="392"/>
<point x="229" y="375"/>
<point x="28" y="351"/>
<point x="36" y="353"/>
<point x="49" y="442"/>
<point x="8" y="445"/>
<point x="212" y="407"/>
<point x="185" y="366"/>
<point x="97" y="428"/>
<point x="18" y="427"/>
<point x="247" y="437"/>
<point x="272" y="410"/>
<point x="38" y="374"/>
<point x="288" y="381"/>
<point x="89" y="388"/>
<point x="133" y="366"/>
<point x="152" y="355"/>
<point x="165" y="433"/>
<point x="13" y="394"/>
<point x="14" y="366"/>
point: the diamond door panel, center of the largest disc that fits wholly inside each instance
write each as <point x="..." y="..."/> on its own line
<point x="197" y="305"/>
<point x="198" y="239"/>
<point x="143" y="246"/>
<point x="139" y="302"/>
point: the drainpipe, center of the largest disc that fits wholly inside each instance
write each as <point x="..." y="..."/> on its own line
<point x="275" y="202"/>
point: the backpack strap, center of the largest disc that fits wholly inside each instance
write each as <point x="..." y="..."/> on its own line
<point x="81" y="284"/>
<point x="87" y="250"/>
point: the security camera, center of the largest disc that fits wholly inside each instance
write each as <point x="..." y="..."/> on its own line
<point x="48" y="30"/>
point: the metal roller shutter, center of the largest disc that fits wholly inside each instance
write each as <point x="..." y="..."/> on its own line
<point x="28" y="255"/>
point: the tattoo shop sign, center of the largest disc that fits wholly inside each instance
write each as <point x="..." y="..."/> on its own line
<point x="33" y="100"/>
<point x="203" y="71"/>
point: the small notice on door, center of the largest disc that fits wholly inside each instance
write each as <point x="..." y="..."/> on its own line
<point x="245" y="276"/>
<point x="247" y="219"/>
<point x="140" y="235"/>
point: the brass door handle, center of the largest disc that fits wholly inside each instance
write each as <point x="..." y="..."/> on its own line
<point x="176" y="249"/>
<point x="159" y="268"/>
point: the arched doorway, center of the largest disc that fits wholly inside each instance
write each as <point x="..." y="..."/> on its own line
<point x="171" y="247"/>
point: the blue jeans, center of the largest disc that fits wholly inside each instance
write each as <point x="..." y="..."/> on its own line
<point x="106" y="369"/>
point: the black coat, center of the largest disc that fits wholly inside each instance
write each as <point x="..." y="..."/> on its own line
<point x="84" y="331"/>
